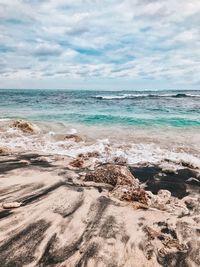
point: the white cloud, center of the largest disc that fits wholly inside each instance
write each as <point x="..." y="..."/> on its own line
<point x="131" y="39"/>
<point x="46" y="50"/>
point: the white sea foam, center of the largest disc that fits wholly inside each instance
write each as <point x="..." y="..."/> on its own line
<point x="124" y="96"/>
<point x="72" y="131"/>
<point x="134" y="150"/>
<point x="4" y="119"/>
<point x="132" y="96"/>
<point x="138" y="153"/>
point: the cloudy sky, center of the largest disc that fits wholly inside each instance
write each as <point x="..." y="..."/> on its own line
<point x="100" y="44"/>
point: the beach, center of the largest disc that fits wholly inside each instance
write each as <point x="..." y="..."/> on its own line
<point x="99" y="179"/>
<point x="99" y="133"/>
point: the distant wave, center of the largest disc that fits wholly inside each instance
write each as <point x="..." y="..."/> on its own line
<point x="124" y="96"/>
<point x="136" y="96"/>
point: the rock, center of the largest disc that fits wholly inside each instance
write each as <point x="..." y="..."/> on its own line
<point x="150" y="197"/>
<point x="120" y="160"/>
<point x="83" y="162"/>
<point x="160" y="200"/>
<point x="113" y="175"/>
<point x="89" y="160"/>
<point x="126" y="187"/>
<point x="130" y="193"/>
<point x="25" y="126"/>
<point x="164" y="201"/>
<point x="73" y="137"/>
<point x="151" y="233"/>
<point x="93" y="154"/>
<point x="77" y="163"/>
<point x="4" y="150"/>
<point x="11" y="205"/>
<point x="192" y="204"/>
<point x="164" y="195"/>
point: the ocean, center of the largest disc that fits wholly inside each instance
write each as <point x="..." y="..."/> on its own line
<point x="149" y="127"/>
<point x="134" y="108"/>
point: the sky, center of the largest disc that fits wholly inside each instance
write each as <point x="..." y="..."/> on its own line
<point x="99" y="44"/>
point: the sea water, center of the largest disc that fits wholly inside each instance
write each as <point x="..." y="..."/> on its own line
<point x="149" y="127"/>
<point x="134" y="108"/>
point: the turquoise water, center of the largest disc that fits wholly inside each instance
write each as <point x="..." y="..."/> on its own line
<point x="147" y="108"/>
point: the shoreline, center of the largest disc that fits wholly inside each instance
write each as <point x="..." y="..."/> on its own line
<point x="98" y="200"/>
<point x="137" y="145"/>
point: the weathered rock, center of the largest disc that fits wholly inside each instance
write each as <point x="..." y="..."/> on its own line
<point x="112" y="174"/>
<point x="192" y="204"/>
<point x="94" y="154"/>
<point x="73" y="137"/>
<point x="83" y="162"/>
<point x="164" y="196"/>
<point x="11" y="205"/>
<point x="4" y="151"/>
<point x="164" y="201"/>
<point x="130" y="193"/>
<point x="160" y="200"/>
<point x="126" y="187"/>
<point x="120" y="160"/>
<point x="151" y="232"/>
<point x="25" y="126"/>
<point x="77" y="163"/>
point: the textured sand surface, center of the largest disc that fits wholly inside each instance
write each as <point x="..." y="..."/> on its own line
<point x="63" y="221"/>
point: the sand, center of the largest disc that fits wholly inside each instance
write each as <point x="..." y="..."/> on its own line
<point x="62" y="220"/>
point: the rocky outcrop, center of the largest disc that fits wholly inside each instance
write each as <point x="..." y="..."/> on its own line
<point x="89" y="161"/>
<point x="166" y="202"/>
<point x="126" y="187"/>
<point x="25" y="126"/>
<point x="112" y="174"/>
<point x="77" y="163"/>
<point x="130" y="193"/>
<point x="160" y="200"/>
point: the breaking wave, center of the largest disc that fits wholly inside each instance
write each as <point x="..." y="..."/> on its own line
<point x="139" y="96"/>
<point x="135" y="152"/>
